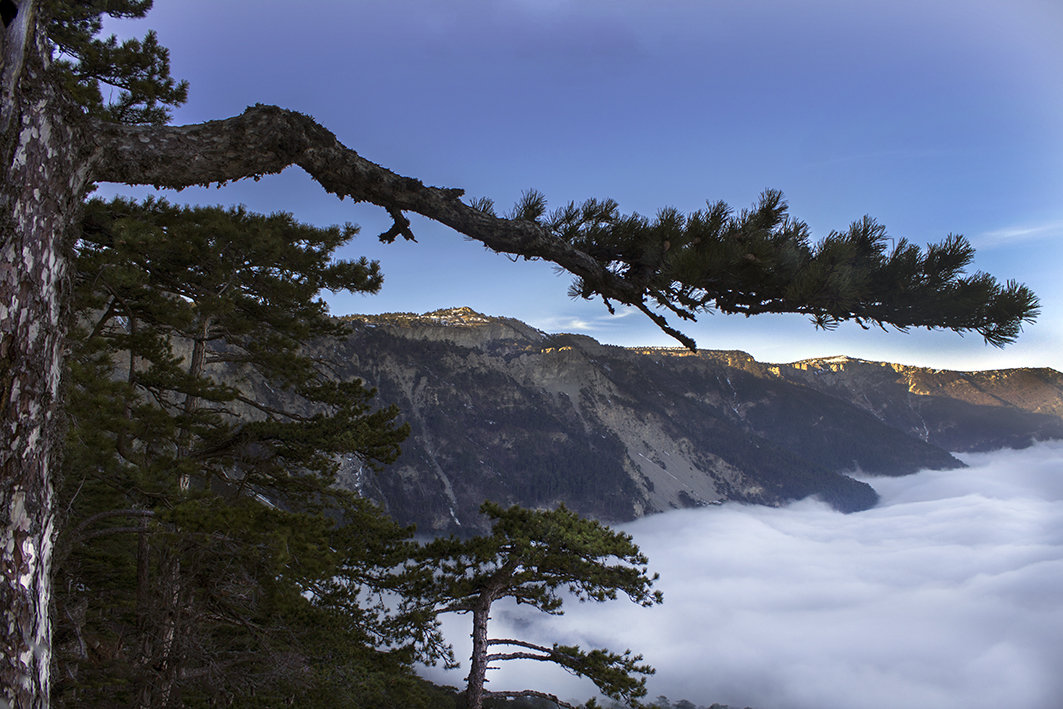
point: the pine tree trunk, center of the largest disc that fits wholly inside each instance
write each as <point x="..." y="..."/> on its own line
<point x="159" y="688"/>
<point x="162" y="656"/>
<point x="43" y="182"/>
<point x="474" y="695"/>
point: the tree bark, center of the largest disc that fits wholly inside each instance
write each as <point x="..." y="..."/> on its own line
<point x="45" y="174"/>
<point x="474" y="694"/>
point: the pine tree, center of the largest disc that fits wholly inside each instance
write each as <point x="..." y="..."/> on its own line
<point x="58" y="136"/>
<point x="531" y="556"/>
<point x="204" y="543"/>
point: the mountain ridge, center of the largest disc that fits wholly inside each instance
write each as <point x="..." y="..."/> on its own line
<point x="503" y="411"/>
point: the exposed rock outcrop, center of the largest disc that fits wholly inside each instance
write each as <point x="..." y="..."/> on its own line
<point x="503" y="411"/>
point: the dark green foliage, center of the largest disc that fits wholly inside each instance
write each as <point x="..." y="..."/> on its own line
<point x="172" y="298"/>
<point x="761" y="260"/>
<point x="531" y="556"/>
<point x="206" y="555"/>
<point x="89" y="66"/>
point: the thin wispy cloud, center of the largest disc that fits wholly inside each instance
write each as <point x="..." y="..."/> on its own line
<point x="1020" y="234"/>
<point x="944" y="596"/>
<point x="621" y="313"/>
<point x="579" y="325"/>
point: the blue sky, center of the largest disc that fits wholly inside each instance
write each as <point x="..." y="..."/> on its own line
<point x="933" y="117"/>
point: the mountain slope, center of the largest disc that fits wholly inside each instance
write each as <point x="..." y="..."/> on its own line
<point x="960" y="411"/>
<point x="502" y="411"/>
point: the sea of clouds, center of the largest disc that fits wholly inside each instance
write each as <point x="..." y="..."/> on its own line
<point x="947" y="595"/>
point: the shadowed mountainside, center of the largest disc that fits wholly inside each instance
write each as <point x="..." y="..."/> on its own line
<point x="502" y="411"/>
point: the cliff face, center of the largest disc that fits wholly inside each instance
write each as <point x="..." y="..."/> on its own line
<point x="502" y="411"/>
<point x="959" y="411"/>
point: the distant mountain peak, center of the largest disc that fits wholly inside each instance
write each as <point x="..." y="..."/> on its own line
<point x="831" y="361"/>
<point x="463" y="315"/>
<point x="459" y="325"/>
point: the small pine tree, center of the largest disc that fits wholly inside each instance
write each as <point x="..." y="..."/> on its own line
<point x="531" y="556"/>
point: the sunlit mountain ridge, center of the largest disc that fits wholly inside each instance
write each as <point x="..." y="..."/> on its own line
<point x="500" y="410"/>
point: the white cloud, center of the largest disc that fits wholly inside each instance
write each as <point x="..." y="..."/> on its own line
<point x="577" y="325"/>
<point x="559" y="324"/>
<point x="1019" y="234"/>
<point x="944" y="596"/>
<point x="621" y="312"/>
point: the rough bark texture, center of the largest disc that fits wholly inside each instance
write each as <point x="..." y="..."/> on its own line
<point x="44" y="180"/>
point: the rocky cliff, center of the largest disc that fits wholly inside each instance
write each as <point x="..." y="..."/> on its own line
<point x="502" y="411"/>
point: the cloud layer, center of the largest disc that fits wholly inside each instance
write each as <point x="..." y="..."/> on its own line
<point x="946" y="595"/>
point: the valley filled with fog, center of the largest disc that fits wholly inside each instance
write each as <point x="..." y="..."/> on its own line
<point x="945" y="595"/>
